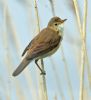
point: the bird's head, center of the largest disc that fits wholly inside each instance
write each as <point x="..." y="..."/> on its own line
<point x="57" y="23"/>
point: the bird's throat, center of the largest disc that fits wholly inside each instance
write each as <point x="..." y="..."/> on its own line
<point x="61" y="29"/>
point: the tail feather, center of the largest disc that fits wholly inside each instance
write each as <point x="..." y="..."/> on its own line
<point x="21" y="67"/>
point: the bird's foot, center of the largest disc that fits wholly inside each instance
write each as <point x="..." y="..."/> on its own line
<point x="43" y="73"/>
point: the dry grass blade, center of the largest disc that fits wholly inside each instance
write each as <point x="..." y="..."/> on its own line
<point x="81" y="31"/>
<point x="83" y="36"/>
<point x="83" y="50"/>
<point x="77" y="15"/>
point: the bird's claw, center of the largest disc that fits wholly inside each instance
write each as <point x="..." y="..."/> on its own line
<point x="43" y="73"/>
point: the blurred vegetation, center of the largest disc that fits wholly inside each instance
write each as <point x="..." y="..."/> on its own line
<point x="68" y="71"/>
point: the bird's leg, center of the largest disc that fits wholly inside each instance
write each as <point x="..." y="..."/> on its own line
<point x="42" y="71"/>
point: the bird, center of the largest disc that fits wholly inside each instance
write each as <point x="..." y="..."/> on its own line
<point x="43" y="44"/>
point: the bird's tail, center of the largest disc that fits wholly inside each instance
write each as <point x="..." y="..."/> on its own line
<point x="21" y="67"/>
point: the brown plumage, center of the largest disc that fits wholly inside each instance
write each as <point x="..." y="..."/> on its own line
<point x="43" y="45"/>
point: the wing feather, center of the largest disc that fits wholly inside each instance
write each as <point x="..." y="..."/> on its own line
<point x="46" y="42"/>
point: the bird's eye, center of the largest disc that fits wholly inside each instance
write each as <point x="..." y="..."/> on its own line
<point x="56" y="24"/>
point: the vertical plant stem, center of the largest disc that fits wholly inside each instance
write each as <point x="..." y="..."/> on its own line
<point x="80" y="26"/>
<point x="83" y="36"/>
<point x="59" y="83"/>
<point x="78" y="15"/>
<point x="5" y="36"/>
<point x="67" y="76"/>
<point x="8" y="54"/>
<point x="83" y="51"/>
<point x="55" y="97"/>
<point x="52" y="7"/>
<point x="43" y="90"/>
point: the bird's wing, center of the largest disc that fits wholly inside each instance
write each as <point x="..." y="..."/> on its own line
<point x="25" y="50"/>
<point x="48" y="39"/>
<point x="29" y="45"/>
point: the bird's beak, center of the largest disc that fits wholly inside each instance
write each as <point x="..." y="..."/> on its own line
<point x="62" y="21"/>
